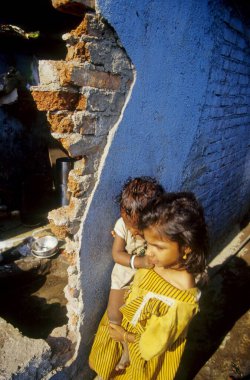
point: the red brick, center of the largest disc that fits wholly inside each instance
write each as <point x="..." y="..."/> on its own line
<point x="82" y="77"/>
<point x="61" y="122"/>
<point x="73" y="7"/>
<point x="55" y="100"/>
<point x="78" y="52"/>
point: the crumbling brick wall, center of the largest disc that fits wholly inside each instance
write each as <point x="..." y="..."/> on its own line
<point x="83" y="97"/>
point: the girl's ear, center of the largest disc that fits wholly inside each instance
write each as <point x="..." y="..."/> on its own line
<point x="187" y="251"/>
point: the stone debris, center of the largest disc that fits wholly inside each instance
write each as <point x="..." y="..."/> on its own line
<point x="22" y="358"/>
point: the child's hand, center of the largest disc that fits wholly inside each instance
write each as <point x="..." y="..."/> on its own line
<point x="116" y="332"/>
<point x="146" y="263"/>
<point x="113" y="233"/>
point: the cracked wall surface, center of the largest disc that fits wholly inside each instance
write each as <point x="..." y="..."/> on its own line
<point x="83" y="97"/>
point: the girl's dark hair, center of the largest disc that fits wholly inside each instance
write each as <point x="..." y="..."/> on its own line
<point x="180" y="217"/>
<point x="137" y="193"/>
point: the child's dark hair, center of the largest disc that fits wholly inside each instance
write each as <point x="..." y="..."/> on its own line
<point x="180" y="217"/>
<point x="137" y="193"/>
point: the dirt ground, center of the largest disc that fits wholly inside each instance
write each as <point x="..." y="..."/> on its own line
<point x="219" y="336"/>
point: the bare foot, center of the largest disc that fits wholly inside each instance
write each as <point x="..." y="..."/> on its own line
<point x="124" y="361"/>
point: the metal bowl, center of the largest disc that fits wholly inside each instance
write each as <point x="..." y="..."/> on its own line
<point x="45" y="246"/>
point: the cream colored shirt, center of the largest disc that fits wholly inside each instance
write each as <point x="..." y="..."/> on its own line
<point x="122" y="276"/>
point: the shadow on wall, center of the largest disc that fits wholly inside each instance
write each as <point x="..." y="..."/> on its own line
<point x="222" y="303"/>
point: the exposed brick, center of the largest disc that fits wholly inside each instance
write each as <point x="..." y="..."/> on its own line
<point x="72" y="248"/>
<point x="61" y="122"/>
<point x="77" y="7"/>
<point x="74" y="186"/>
<point x="82" y="103"/>
<point x="80" y="166"/>
<point x="83" y="27"/>
<point x="78" y="145"/>
<point x="108" y="102"/>
<point x="84" y="124"/>
<point x="76" y="207"/>
<point x="65" y="73"/>
<point x="70" y="256"/>
<point x="78" y="51"/>
<point x="57" y="100"/>
<point x="49" y="72"/>
<point x="97" y="80"/>
<point x="59" y="231"/>
<point x="80" y="76"/>
<point x="73" y="306"/>
<point x="92" y="26"/>
<point x="73" y="228"/>
<point x="105" y="54"/>
<point x="74" y="318"/>
<point x="78" y="185"/>
<point x="104" y="124"/>
<point x="71" y="292"/>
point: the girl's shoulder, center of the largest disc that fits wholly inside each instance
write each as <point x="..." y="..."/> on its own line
<point x="185" y="281"/>
<point x="180" y="279"/>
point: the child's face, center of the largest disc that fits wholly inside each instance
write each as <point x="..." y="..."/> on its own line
<point x="161" y="251"/>
<point x="130" y="224"/>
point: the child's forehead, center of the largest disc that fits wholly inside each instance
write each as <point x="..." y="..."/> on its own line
<point x="154" y="232"/>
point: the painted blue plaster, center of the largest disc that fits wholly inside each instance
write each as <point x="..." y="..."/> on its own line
<point x="170" y="46"/>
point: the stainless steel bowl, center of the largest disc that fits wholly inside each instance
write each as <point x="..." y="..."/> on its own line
<point x="45" y="246"/>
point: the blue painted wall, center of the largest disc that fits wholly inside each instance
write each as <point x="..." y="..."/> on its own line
<point x="185" y="55"/>
<point x="169" y="45"/>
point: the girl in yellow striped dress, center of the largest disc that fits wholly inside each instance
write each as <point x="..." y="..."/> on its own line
<point x="162" y="300"/>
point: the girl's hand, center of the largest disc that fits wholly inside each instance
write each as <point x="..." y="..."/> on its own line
<point x="145" y="263"/>
<point x="116" y="332"/>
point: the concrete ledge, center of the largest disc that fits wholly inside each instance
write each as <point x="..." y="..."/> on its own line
<point x="237" y="246"/>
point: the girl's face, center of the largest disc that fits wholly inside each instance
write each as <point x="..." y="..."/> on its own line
<point x="130" y="224"/>
<point x="161" y="251"/>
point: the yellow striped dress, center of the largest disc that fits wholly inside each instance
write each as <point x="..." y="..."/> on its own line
<point x="159" y="315"/>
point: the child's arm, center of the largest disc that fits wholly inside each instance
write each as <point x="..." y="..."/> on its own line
<point x="121" y="256"/>
<point x="119" y="334"/>
<point x="119" y="253"/>
<point x="160" y="332"/>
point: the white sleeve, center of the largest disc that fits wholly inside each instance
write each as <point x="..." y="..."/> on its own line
<point x="120" y="229"/>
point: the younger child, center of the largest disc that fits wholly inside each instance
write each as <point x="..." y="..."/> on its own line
<point x="129" y="246"/>
<point x="162" y="300"/>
